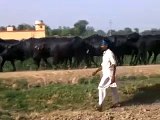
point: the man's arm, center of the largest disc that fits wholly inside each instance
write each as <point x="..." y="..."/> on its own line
<point x="113" y="65"/>
<point x="95" y="72"/>
<point x="114" y="73"/>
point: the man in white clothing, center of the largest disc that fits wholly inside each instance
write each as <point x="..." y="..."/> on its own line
<point x="108" y="68"/>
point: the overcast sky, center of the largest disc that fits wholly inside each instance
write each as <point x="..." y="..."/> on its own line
<point x="142" y="14"/>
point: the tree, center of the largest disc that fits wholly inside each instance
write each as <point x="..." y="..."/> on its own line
<point x="121" y="32"/>
<point x="14" y="27"/>
<point x="72" y="31"/>
<point x="2" y="28"/>
<point x="101" y="32"/>
<point x="80" y="27"/>
<point x="111" y="32"/>
<point x="146" y="32"/>
<point x="56" y="32"/>
<point x="25" y="27"/>
<point x="153" y="31"/>
<point x="89" y="31"/>
<point x="136" y="30"/>
<point x="48" y="31"/>
<point x="65" y="31"/>
<point x="128" y="30"/>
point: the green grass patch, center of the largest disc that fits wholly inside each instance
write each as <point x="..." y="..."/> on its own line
<point x="51" y="97"/>
<point x="83" y="95"/>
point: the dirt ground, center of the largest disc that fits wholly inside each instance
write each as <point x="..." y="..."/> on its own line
<point x="136" y="112"/>
<point x="72" y="76"/>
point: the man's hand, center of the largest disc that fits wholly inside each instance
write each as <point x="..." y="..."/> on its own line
<point x="113" y="79"/>
<point x="94" y="73"/>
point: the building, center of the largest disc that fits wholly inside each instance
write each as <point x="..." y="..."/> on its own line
<point x="10" y="33"/>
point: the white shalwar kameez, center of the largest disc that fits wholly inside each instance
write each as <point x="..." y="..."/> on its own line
<point x="108" y="61"/>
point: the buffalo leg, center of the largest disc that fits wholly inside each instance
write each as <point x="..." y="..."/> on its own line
<point x="149" y="56"/>
<point x="70" y="62"/>
<point x="48" y="64"/>
<point x="37" y="62"/>
<point x="132" y="58"/>
<point x="87" y="61"/>
<point x="137" y="58"/>
<point x="1" y="65"/>
<point x="14" y="67"/>
<point x="92" y="60"/>
<point x="155" y="57"/>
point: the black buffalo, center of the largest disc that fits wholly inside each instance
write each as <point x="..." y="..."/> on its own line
<point x="21" y="50"/>
<point x="152" y="46"/>
<point x="61" y="49"/>
<point x="4" y="44"/>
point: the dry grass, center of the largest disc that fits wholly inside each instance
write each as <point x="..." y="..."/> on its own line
<point x="72" y="76"/>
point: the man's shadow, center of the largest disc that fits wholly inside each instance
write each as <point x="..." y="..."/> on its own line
<point x="145" y="95"/>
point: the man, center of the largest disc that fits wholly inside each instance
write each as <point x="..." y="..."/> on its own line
<point x="108" y="68"/>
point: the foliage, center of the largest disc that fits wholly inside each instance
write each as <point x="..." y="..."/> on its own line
<point x="25" y="26"/>
<point x="48" y="31"/>
<point x="2" y="28"/>
<point x="80" y="27"/>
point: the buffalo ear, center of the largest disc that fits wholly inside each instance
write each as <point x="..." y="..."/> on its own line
<point x="37" y="47"/>
<point x="87" y="51"/>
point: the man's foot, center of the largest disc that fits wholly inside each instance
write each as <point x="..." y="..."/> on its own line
<point x="116" y="105"/>
<point x="99" y="108"/>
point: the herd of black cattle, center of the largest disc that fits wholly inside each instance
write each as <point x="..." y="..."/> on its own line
<point x="74" y="50"/>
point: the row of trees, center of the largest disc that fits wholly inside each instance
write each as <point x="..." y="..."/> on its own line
<point x="82" y="29"/>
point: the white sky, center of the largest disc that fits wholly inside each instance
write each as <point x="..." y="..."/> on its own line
<point x="142" y="14"/>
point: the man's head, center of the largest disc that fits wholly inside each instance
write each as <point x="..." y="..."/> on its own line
<point x="104" y="45"/>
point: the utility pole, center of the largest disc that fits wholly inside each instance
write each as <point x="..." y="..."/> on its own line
<point x="110" y="27"/>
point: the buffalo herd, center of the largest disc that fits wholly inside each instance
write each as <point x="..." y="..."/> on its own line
<point x="72" y="51"/>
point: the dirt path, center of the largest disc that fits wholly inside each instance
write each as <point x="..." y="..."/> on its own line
<point x="72" y="76"/>
<point x="137" y="112"/>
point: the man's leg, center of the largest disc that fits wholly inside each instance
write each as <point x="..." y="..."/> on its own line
<point x="100" y="91"/>
<point x="102" y="95"/>
<point x="115" y="97"/>
<point x="104" y="83"/>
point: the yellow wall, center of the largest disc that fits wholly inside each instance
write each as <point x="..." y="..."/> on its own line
<point x="19" y="35"/>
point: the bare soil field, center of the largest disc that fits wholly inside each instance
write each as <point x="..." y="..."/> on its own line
<point x="138" y="112"/>
<point x="133" y="112"/>
<point x="72" y="76"/>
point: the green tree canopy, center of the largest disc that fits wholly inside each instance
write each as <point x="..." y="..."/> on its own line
<point x="25" y="26"/>
<point x="80" y="27"/>
<point x="2" y="28"/>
